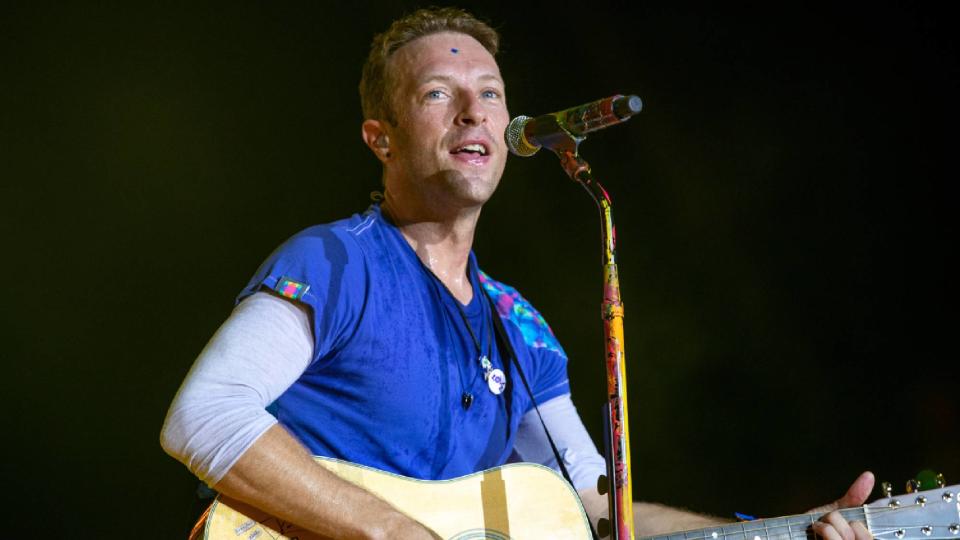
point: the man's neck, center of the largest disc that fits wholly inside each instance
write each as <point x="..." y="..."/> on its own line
<point x="443" y="243"/>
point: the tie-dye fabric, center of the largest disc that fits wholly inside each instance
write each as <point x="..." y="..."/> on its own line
<point x="515" y="309"/>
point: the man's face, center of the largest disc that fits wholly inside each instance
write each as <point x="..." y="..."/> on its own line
<point x="448" y="97"/>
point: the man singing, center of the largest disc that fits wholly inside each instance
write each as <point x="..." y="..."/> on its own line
<point x="378" y="340"/>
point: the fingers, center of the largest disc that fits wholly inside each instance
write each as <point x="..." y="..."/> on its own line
<point x="856" y="495"/>
<point x="861" y="530"/>
<point x="858" y="492"/>
<point x="833" y="526"/>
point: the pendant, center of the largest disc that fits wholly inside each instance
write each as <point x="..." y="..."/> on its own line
<point x="496" y="381"/>
<point x="486" y="365"/>
<point x="466" y="400"/>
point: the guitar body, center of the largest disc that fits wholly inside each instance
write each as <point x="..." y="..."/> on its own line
<point x="516" y="501"/>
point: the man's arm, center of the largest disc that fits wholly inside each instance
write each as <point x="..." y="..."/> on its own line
<point x="651" y="519"/>
<point x="219" y="428"/>
<point x="278" y="475"/>
<point x="648" y="518"/>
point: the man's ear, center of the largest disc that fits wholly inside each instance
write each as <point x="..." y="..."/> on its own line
<point x="374" y="133"/>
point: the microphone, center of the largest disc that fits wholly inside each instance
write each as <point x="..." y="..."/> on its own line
<point x="526" y="135"/>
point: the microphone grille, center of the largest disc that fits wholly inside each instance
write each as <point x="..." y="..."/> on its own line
<point x="516" y="142"/>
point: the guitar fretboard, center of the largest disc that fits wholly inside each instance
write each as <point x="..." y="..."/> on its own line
<point x="783" y="528"/>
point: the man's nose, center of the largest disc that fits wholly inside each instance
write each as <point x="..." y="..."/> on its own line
<point x="471" y="111"/>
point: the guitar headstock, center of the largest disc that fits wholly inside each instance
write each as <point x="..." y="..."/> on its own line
<point x="928" y="510"/>
<point x="926" y="479"/>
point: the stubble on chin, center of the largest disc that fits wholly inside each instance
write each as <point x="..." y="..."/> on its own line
<point x="453" y="187"/>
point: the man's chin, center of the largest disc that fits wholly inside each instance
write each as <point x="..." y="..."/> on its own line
<point x="475" y="188"/>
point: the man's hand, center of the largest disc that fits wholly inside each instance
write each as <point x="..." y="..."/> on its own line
<point x="400" y="527"/>
<point x="833" y="526"/>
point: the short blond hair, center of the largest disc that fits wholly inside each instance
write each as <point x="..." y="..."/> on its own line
<point x="375" y="99"/>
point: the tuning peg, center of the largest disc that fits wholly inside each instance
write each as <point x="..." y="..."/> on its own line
<point x="603" y="485"/>
<point x="927" y="479"/>
<point x="887" y="489"/>
<point x="913" y="485"/>
<point x="603" y="527"/>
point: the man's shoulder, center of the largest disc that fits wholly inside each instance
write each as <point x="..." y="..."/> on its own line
<point x="307" y="262"/>
<point x="516" y="309"/>
<point x="334" y="237"/>
<point x="354" y="225"/>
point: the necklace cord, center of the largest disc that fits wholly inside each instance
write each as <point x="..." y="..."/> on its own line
<point x="467" y="397"/>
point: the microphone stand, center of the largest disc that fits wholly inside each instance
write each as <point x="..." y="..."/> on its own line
<point x="616" y="432"/>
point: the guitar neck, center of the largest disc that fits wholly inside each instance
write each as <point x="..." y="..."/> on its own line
<point x="922" y="515"/>
<point x="781" y="528"/>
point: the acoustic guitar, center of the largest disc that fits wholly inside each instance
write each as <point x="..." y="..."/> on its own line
<point x="524" y="501"/>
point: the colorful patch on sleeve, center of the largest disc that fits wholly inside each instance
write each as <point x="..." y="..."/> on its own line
<point x="515" y="308"/>
<point x="291" y="289"/>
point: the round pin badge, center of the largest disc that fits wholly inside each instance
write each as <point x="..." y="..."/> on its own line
<point x="497" y="382"/>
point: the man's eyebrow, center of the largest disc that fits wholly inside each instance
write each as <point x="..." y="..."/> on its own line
<point x="450" y="79"/>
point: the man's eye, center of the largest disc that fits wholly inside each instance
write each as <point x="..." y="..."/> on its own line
<point x="435" y="94"/>
<point x="491" y="94"/>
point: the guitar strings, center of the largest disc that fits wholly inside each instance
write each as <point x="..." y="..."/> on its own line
<point x="769" y="526"/>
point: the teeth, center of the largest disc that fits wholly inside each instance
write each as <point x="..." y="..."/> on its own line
<point x="475" y="148"/>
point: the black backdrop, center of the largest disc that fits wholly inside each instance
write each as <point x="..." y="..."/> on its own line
<point x="782" y="207"/>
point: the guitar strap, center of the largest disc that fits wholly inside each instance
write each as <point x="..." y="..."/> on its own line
<point x="504" y="340"/>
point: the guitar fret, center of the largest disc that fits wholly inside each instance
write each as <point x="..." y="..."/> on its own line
<point x="778" y="529"/>
<point x="798" y="526"/>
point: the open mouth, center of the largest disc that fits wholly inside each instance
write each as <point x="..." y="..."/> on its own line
<point x="476" y="149"/>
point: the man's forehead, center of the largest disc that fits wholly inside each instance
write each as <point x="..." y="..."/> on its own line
<point x="433" y="56"/>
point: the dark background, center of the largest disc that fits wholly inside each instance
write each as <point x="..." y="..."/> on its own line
<point x="782" y="205"/>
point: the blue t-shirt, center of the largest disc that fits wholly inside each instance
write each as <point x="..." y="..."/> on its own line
<point x="393" y="355"/>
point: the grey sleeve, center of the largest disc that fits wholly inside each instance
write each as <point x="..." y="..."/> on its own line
<point x="576" y="448"/>
<point x="220" y="409"/>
